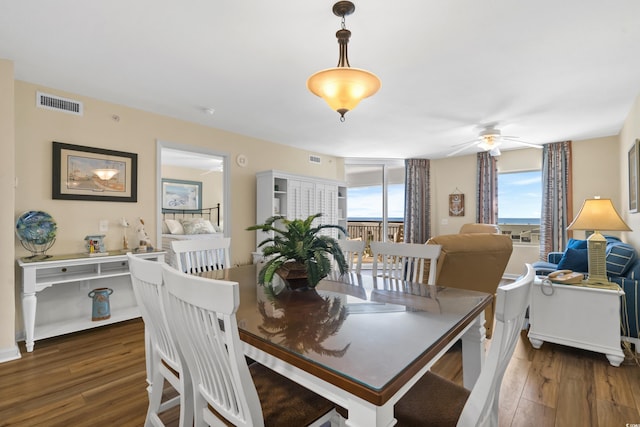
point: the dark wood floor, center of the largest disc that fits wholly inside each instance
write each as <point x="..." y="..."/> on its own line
<point x="97" y="378"/>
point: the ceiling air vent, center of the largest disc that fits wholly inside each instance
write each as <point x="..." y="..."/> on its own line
<point x="58" y="103"/>
<point x="315" y="159"/>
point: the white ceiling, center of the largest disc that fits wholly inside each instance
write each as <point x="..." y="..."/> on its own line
<point x="544" y="70"/>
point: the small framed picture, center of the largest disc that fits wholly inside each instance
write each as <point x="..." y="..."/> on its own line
<point x="456" y="204"/>
<point x="181" y="195"/>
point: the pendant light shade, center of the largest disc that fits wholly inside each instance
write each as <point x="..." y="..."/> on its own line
<point x="343" y="87"/>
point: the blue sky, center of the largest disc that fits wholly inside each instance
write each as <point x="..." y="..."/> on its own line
<point x="520" y="194"/>
<point x="366" y="202"/>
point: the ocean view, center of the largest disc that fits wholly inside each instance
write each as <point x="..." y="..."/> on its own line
<point x="521" y="221"/>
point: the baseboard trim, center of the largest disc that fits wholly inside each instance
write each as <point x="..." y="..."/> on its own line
<point x="8" y="354"/>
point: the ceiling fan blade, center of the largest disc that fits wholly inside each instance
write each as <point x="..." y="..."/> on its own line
<point x="464" y="147"/>
<point x="474" y="140"/>
<point x="528" y="144"/>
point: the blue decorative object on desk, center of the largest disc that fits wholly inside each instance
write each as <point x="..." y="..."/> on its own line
<point x="36" y="231"/>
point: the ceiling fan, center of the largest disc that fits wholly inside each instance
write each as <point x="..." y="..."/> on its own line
<point x="490" y="139"/>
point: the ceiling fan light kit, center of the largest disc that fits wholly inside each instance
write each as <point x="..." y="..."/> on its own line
<point x="343" y="87"/>
<point x="490" y="139"/>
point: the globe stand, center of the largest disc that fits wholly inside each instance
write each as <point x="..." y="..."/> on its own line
<point x="37" y="249"/>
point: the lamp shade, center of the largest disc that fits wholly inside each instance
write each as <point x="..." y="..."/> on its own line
<point x="343" y="87"/>
<point x="598" y="214"/>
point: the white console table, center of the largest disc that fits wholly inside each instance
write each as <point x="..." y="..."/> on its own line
<point x="577" y="316"/>
<point x="39" y="274"/>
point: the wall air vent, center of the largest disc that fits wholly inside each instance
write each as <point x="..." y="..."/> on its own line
<point x="58" y="103"/>
<point x="315" y="159"/>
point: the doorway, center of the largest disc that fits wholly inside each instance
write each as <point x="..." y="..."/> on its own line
<point x="198" y="167"/>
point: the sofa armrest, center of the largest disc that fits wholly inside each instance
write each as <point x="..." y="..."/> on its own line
<point x="629" y="307"/>
<point x="554" y="257"/>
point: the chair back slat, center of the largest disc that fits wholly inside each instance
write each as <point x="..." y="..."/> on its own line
<point x="203" y="314"/>
<point x="481" y="409"/>
<point x="404" y="261"/>
<point x="146" y="278"/>
<point x="353" y="251"/>
<point x="197" y="256"/>
<point x="163" y="356"/>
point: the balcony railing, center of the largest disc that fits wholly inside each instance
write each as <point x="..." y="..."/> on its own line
<point x="371" y="231"/>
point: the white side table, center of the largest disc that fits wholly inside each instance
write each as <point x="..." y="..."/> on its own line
<point x="59" y="270"/>
<point x="577" y="316"/>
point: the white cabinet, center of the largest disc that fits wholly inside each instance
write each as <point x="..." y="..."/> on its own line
<point x="297" y="197"/>
<point x="577" y="316"/>
<point x="62" y="283"/>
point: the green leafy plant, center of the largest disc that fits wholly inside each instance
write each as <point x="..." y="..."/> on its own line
<point x="298" y="241"/>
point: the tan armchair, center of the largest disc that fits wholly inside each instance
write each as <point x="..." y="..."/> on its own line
<point x="473" y="261"/>
<point x="476" y="227"/>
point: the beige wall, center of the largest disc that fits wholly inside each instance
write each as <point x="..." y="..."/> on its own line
<point x="8" y="348"/>
<point x="630" y="132"/>
<point x="595" y="173"/>
<point x="449" y="175"/>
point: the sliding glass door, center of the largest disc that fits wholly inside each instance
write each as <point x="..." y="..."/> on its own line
<point x="375" y="201"/>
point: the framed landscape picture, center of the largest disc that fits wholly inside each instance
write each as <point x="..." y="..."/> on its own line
<point x="89" y="173"/>
<point x="633" y="176"/>
<point x="181" y="195"/>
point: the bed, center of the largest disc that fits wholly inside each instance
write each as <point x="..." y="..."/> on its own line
<point x="201" y="224"/>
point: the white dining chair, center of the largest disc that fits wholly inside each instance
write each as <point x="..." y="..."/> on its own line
<point x="196" y="256"/>
<point x="203" y="314"/>
<point x="404" y="261"/>
<point x="164" y="359"/>
<point x="353" y="251"/>
<point x="434" y="400"/>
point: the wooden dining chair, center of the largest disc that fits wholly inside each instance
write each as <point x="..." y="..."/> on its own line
<point x="164" y="359"/>
<point x="227" y="390"/>
<point x="436" y="401"/>
<point x="404" y="261"/>
<point x="196" y="256"/>
<point x="353" y="251"/>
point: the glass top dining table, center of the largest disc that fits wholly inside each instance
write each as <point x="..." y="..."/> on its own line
<point x="360" y="341"/>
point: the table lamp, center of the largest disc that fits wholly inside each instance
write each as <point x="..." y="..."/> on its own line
<point x="598" y="214"/>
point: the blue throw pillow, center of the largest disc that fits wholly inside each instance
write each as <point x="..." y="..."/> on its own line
<point x="619" y="258"/>
<point x="575" y="260"/>
<point x="577" y="244"/>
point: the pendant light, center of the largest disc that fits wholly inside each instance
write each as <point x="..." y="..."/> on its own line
<point x="343" y="87"/>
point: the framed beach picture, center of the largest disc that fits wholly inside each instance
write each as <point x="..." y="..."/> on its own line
<point x="634" y="155"/>
<point x="456" y="204"/>
<point x="181" y="195"/>
<point x="89" y="173"/>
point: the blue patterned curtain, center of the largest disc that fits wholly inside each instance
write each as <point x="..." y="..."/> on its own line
<point x="557" y="197"/>
<point x="417" y="206"/>
<point x="487" y="190"/>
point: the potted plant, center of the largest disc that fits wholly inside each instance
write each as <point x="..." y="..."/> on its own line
<point x="298" y="252"/>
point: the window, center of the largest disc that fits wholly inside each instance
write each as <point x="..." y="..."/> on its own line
<point x="375" y="201"/>
<point x="519" y="205"/>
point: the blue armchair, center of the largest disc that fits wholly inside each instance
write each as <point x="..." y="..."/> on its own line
<point x="623" y="268"/>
